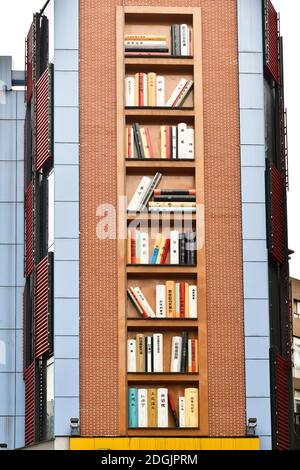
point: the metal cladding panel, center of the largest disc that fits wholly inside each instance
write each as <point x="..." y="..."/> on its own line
<point x="29" y="231"/>
<point x="277" y="216"/>
<point x="282" y="403"/>
<point x="30" y="405"/>
<point x="43" y="120"/>
<point x="29" y="65"/>
<point x="24" y="331"/>
<point x="272" y="51"/>
<point x="41" y="308"/>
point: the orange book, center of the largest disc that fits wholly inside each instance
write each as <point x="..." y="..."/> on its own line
<point x="170" y="299"/>
<point x="152" y="408"/>
<point x="161" y="250"/>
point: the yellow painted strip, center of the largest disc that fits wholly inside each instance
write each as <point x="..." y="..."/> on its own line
<point x="154" y="443"/>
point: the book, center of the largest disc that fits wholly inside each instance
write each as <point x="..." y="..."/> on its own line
<point x="168" y="142"/>
<point x="160" y="301"/>
<point x="152" y="408"/>
<point x="186" y="303"/>
<point x="192" y="301"/>
<point x="149" y="354"/>
<point x="133" y="248"/>
<point x="151" y="89"/>
<point x="176" y="352"/>
<point x="160" y="91"/>
<point x="140" y="353"/>
<point x="183" y="94"/>
<point x="170" y="299"/>
<point x="181" y="140"/>
<point x="138" y="248"/>
<point x="175" y="209"/>
<point x="182" y="299"/>
<point x="184" y="352"/>
<point x="129" y="91"/>
<point x="149" y="143"/>
<point x="191" y="48"/>
<point x="174" y="142"/>
<point x="174" y="198"/>
<point x="148" y="48"/>
<point x="147" y="54"/>
<point x="184" y="40"/>
<point x="157" y="352"/>
<point x="142" y="408"/>
<point x="172" y="204"/>
<point x="173" y="409"/>
<point x="131" y="355"/>
<point x="133" y="407"/>
<point x="176" y="46"/>
<point x="143" y="302"/>
<point x="179" y="192"/>
<point x="145" y="37"/>
<point x="177" y="92"/>
<point x="192" y="355"/>
<point x="129" y="143"/>
<point x="136" y="304"/>
<point x="190" y="143"/>
<point x="181" y="403"/>
<point x="165" y="252"/>
<point x="144" y="248"/>
<point x="143" y="89"/>
<point x="136" y="89"/>
<point x="161" y="249"/>
<point x="149" y="192"/>
<point x="142" y="43"/>
<point x="191" y="407"/>
<point x="156" y="248"/>
<point x="136" y="201"/>
<point x="190" y="248"/>
<point x="177" y="300"/>
<point x="144" y="142"/>
<point x="174" y="247"/>
<point x="162" y="408"/>
<point x="138" y="140"/>
<point x="128" y="246"/>
<point x="163" y="141"/>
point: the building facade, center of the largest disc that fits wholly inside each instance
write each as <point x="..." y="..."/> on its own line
<point x="75" y="311"/>
<point x="295" y="301"/>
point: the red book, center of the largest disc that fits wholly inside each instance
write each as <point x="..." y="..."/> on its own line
<point x="133" y="247"/>
<point x="168" y="141"/>
<point x="165" y="251"/>
<point x="149" y="143"/>
<point x="182" y="299"/>
<point x="181" y="93"/>
<point x="193" y="356"/>
<point x="141" y="89"/>
<point x="191" y="42"/>
<point x="173" y="409"/>
<point x="145" y="315"/>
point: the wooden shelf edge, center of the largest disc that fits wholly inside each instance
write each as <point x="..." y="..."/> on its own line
<point x="162" y="377"/>
<point x="162" y="323"/>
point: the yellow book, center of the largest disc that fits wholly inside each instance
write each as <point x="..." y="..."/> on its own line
<point x="145" y="37"/>
<point x="163" y="141"/>
<point x="187" y="299"/>
<point x="140" y="353"/>
<point x="161" y="249"/>
<point x="136" y="89"/>
<point x="151" y="89"/>
<point x="170" y="299"/>
<point x="129" y="246"/>
<point x="144" y="142"/>
<point x="191" y="407"/>
<point x="152" y="408"/>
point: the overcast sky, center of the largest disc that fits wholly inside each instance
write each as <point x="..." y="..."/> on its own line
<point x="15" y="19"/>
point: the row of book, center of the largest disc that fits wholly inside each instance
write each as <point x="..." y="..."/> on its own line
<point x="144" y="90"/>
<point x="150" y="407"/>
<point x="181" y="42"/>
<point x="179" y="248"/>
<point x="173" y="200"/>
<point x="177" y="142"/>
<point x="172" y="300"/>
<point x="145" y="354"/>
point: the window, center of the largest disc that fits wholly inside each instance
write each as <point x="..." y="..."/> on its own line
<point x="296" y="357"/>
<point x="297" y="401"/>
<point x="297" y="308"/>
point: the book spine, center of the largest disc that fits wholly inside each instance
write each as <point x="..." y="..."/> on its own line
<point x="161" y="301"/>
<point x="132" y="407"/>
<point x="177" y="40"/>
<point x="140" y="353"/>
<point x="190" y="361"/>
<point x="194" y="353"/>
<point x="177" y="300"/>
<point x="143" y="302"/>
<point x="170" y="287"/>
<point x="184" y="40"/>
<point x="181" y="249"/>
<point x="173" y="409"/>
<point x="182" y="130"/>
<point x="165" y="252"/>
<point x="156" y="249"/>
<point x="174" y="142"/>
<point x="142" y="408"/>
<point x="191" y="406"/>
<point x="196" y="356"/>
<point x="144" y="242"/>
<point x="191" y="48"/>
<point x="161" y="250"/>
<point x="182" y="299"/>
<point x="192" y="301"/>
<point x="157" y="352"/>
<point x="149" y="355"/>
<point x="175" y="209"/>
<point x="190" y="144"/>
<point x="174" y="244"/>
<point x="162" y="408"/>
<point x="160" y="91"/>
<point x="149" y="192"/>
<point x="179" y="192"/>
<point x="176" y="352"/>
<point x="136" y="304"/>
<point x="171" y="142"/>
<point x="172" y="39"/>
<point x="174" y="198"/>
<point x="141" y="89"/>
<point x="131" y="355"/>
<point x="137" y="140"/>
<point x="183" y="95"/>
<point x="138" y="247"/>
<point x="184" y="355"/>
<point x="133" y="48"/>
<point x="152" y="407"/>
<point x="129" y="91"/>
<point x="146" y="43"/>
<point x="131" y="141"/>
<point x="145" y="88"/>
<point x="144" y="37"/>
<point x="144" y="142"/>
<point x="149" y="143"/>
<point x="190" y="248"/>
<point x="163" y="141"/>
<point x="151" y="89"/>
<point x="136" y="89"/>
<point x="186" y="306"/>
<point x="172" y="204"/>
<point x="133" y="246"/>
<point x="142" y="189"/>
<point x="129" y="246"/>
<point x="181" y="412"/>
<point x="176" y="93"/>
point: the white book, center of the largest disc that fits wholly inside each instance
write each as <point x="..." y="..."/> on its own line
<point x="181" y="412"/>
<point x="162" y="408"/>
<point x="160" y="91"/>
<point x="149" y="43"/>
<point x="129" y="91"/>
<point x="157" y="352"/>
<point x="145" y="80"/>
<point x="140" y="193"/>
<point x="176" y="352"/>
<point x="174" y="141"/>
<point x="184" y="94"/>
<point x="140" y="296"/>
<point x="176" y="92"/>
<point x="161" y="301"/>
<point x="142" y="408"/>
<point x="190" y="143"/>
<point x="174" y="247"/>
<point x="144" y="244"/>
<point x="182" y="140"/>
<point x="149" y="353"/>
<point x="131" y="355"/>
<point x="189" y="210"/>
<point x="184" y="39"/>
<point x="193" y="302"/>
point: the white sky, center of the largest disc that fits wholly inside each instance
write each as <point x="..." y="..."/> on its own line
<point x="15" y="19"/>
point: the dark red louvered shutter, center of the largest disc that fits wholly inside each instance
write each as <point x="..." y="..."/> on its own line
<point x="43" y="120"/>
<point x="271" y="41"/>
<point x="41" y="310"/>
<point x="30" y="405"/>
<point x="29" y="230"/>
<point x="277" y="183"/>
<point x="281" y="402"/>
<point x="29" y="64"/>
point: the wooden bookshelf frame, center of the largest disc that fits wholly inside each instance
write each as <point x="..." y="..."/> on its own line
<point x="176" y="14"/>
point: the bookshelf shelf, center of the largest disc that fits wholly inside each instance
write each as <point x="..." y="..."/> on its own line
<point x="177" y="174"/>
